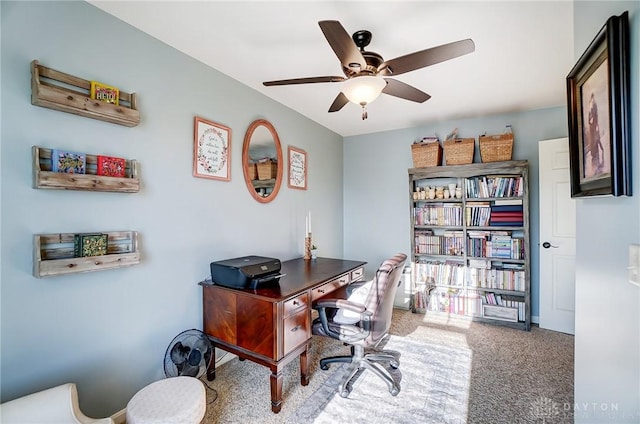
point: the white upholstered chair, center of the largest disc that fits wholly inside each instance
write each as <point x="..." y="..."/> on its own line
<point x="57" y="405"/>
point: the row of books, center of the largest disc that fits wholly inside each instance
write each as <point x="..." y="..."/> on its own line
<point x="76" y="163"/>
<point x="454" y="273"/>
<point x="498" y="186"/>
<point x="447" y="273"/>
<point x="496" y="278"/>
<point x="470" y="304"/>
<point x="455" y="302"/>
<point x="500" y="245"/>
<point x="450" y="243"/>
<point x="438" y="214"/>
<point x="478" y="214"/>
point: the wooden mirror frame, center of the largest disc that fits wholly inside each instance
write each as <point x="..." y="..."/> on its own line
<point x="245" y="160"/>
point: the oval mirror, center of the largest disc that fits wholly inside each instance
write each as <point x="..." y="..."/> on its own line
<point x="262" y="161"/>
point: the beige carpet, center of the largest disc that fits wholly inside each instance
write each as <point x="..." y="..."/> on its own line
<point x="474" y="373"/>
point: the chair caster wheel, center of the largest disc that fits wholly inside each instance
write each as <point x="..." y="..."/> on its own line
<point x="394" y="391"/>
<point x="324" y="367"/>
<point x="394" y="364"/>
<point x="344" y="393"/>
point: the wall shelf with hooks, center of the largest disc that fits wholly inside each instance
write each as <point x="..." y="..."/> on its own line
<point x="53" y="254"/>
<point x="51" y="89"/>
<point x="44" y="178"/>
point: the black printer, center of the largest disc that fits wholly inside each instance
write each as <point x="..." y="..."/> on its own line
<point x="247" y="272"/>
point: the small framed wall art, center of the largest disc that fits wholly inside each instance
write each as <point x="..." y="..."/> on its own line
<point x="598" y="104"/>
<point x="211" y="150"/>
<point x="297" y="168"/>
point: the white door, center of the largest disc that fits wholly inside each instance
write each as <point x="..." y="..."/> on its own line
<point x="557" y="238"/>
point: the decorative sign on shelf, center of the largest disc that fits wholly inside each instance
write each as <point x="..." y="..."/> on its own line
<point x="68" y="162"/>
<point x="105" y="93"/>
<point x="297" y="168"/>
<point x="212" y="150"/>
<point x="111" y="167"/>
<point x="89" y="245"/>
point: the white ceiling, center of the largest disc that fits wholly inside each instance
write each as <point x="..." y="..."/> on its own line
<point x="524" y="50"/>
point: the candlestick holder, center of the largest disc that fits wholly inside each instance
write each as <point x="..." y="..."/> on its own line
<point x="307" y="246"/>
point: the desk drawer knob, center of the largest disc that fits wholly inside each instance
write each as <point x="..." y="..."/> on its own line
<point x="296" y="303"/>
<point x="320" y="290"/>
<point x="296" y="328"/>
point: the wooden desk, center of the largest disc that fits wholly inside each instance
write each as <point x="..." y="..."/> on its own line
<point x="272" y="325"/>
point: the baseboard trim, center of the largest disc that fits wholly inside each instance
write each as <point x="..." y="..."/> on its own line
<point x="120" y="417"/>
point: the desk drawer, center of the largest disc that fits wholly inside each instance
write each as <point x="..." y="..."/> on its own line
<point x="357" y="274"/>
<point x="296" y="330"/>
<point x="299" y="302"/>
<point x="327" y="288"/>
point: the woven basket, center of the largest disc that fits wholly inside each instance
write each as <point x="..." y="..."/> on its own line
<point x="459" y="151"/>
<point x="494" y="148"/>
<point x="426" y="154"/>
<point x="266" y="170"/>
<point x="253" y="172"/>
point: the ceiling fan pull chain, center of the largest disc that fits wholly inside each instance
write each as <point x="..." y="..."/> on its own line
<point x="364" y="111"/>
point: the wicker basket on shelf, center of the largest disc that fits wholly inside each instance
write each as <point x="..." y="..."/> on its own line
<point x="253" y="172"/>
<point x="495" y="148"/>
<point x="266" y="170"/>
<point x="459" y="151"/>
<point x="426" y="154"/>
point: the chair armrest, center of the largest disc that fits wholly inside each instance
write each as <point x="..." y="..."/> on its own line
<point x="362" y="329"/>
<point x="58" y="404"/>
<point x="339" y="303"/>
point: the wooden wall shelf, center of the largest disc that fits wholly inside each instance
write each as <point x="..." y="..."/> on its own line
<point x="50" y="89"/>
<point x="53" y="254"/>
<point x="43" y="177"/>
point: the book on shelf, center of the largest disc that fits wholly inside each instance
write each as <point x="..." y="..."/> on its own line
<point x="68" y="162"/>
<point x="90" y="244"/>
<point x="507" y="202"/>
<point x="105" y="93"/>
<point x="111" y="166"/>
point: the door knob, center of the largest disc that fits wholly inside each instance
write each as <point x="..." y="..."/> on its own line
<point x="547" y="245"/>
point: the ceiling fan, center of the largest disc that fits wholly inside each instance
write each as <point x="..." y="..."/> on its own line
<point x="365" y="71"/>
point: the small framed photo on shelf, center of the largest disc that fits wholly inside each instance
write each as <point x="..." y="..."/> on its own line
<point x="105" y="93"/>
<point x="68" y="162"/>
<point x="297" y="168"/>
<point x="598" y="104"/>
<point x="211" y="150"/>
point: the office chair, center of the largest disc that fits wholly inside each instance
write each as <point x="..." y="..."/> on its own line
<point x="362" y="320"/>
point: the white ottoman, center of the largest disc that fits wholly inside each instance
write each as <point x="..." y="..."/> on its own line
<point x="179" y="400"/>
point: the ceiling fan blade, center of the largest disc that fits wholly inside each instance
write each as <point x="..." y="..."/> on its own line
<point x="343" y="46"/>
<point x="339" y="102"/>
<point x="309" y="80"/>
<point x="427" y="57"/>
<point x="404" y="91"/>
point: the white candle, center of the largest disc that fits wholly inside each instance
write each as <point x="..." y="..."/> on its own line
<point x="309" y="221"/>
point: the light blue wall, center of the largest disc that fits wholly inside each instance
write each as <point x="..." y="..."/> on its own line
<point x="376" y="205"/>
<point x="607" y="342"/>
<point x="108" y="331"/>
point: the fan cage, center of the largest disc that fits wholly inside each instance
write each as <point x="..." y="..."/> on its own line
<point x="189" y="353"/>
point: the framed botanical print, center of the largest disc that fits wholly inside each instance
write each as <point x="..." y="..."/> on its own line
<point x="297" y="168"/>
<point x="211" y="150"/>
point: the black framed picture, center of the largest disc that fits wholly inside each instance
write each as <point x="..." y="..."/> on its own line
<point x="598" y="107"/>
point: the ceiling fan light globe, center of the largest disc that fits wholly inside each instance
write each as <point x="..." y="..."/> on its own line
<point x="364" y="89"/>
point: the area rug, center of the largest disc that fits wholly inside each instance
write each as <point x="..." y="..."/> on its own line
<point x="434" y="388"/>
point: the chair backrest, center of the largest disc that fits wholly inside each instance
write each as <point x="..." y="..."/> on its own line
<point x="381" y="295"/>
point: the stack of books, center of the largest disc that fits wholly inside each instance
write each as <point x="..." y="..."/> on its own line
<point x="506" y="215"/>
